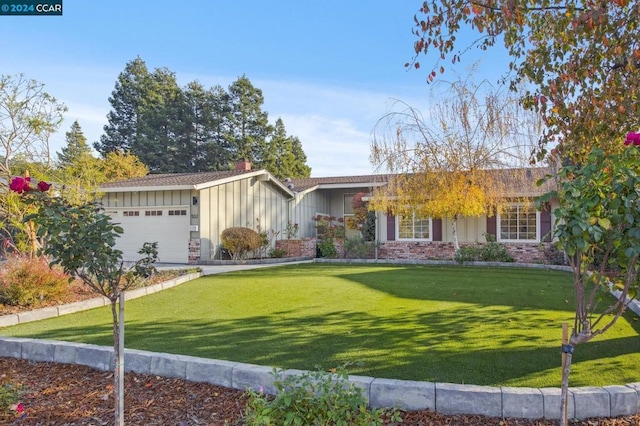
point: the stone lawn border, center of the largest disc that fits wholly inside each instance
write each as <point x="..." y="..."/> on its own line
<point x="445" y="398"/>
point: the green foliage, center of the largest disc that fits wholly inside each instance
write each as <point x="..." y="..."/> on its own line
<point x="145" y="267"/>
<point x="598" y="227"/>
<point x="26" y="281"/>
<point x="314" y="398"/>
<point x="277" y="253"/>
<point x="239" y="241"/>
<point x="76" y="146"/>
<point x="491" y="251"/>
<point x="578" y="59"/>
<point x="357" y="248"/>
<point x="326" y="248"/>
<point x="291" y="231"/>
<point x="10" y="394"/>
<point x="369" y="227"/>
<point x="188" y="129"/>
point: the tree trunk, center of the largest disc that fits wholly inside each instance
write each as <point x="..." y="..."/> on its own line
<point x="454" y="233"/>
<point x="119" y="416"/>
<point x="564" y="394"/>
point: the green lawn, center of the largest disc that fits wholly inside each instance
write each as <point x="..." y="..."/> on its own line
<point x="445" y="324"/>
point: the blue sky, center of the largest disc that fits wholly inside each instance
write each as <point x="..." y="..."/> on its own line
<point x="329" y="69"/>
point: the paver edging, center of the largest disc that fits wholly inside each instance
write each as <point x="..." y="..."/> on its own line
<point x="446" y="398"/>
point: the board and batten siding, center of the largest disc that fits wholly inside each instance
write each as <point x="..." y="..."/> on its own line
<point x="147" y="199"/>
<point x="304" y="208"/>
<point x="239" y="203"/>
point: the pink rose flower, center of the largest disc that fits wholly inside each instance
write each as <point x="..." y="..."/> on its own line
<point x="43" y="186"/>
<point x="19" y="184"/>
<point x="632" y="139"/>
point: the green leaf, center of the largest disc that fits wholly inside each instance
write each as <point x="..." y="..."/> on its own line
<point x="604" y="223"/>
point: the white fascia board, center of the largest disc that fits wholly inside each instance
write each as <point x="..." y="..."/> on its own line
<point x="147" y="188"/>
<point x="306" y="191"/>
<point x="263" y="174"/>
<point x="350" y="185"/>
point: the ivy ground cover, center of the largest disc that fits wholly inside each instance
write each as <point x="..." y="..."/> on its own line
<point x="469" y="325"/>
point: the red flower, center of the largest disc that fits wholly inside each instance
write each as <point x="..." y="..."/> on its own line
<point x="632" y="139"/>
<point x="19" y="184"/>
<point x="43" y="186"/>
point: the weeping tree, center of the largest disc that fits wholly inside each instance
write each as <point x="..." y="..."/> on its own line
<point x="446" y="165"/>
<point x="598" y="227"/>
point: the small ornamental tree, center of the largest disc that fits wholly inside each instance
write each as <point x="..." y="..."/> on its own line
<point x="81" y="239"/>
<point x="598" y="227"/>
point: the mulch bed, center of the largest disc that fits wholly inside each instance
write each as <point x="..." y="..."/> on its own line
<point x="61" y="394"/>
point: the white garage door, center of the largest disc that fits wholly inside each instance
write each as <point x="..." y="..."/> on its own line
<point x="168" y="226"/>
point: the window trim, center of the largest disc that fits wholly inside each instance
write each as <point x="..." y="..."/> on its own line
<point x="499" y="227"/>
<point x="398" y="238"/>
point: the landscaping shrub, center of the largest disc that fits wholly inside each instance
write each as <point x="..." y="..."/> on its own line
<point x="314" y="398"/>
<point x="240" y="241"/>
<point x="491" y="251"/>
<point x="30" y="282"/>
<point x="326" y="248"/>
<point x="277" y="252"/>
<point x="356" y="248"/>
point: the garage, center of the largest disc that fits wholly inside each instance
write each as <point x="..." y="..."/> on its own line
<point x="169" y="226"/>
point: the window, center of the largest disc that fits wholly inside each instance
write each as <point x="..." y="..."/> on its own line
<point x="177" y="212"/>
<point x="414" y="228"/>
<point x="131" y="213"/>
<point x="153" y="213"/>
<point x="518" y="223"/>
<point x="349" y="216"/>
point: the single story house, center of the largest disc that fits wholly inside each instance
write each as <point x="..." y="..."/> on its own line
<point x="186" y="214"/>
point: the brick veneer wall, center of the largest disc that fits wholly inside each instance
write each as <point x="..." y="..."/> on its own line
<point x="427" y="250"/>
<point x="438" y="250"/>
<point x="194" y="251"/>
<point x="306" y="247"/>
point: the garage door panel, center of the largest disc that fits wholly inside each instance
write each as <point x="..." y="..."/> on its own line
<point x="171" y="232"/>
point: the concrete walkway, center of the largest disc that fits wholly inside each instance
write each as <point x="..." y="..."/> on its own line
<point x="220" y="269"/>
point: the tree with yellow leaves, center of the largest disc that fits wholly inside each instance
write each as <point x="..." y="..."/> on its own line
<point x="463" y="162"/>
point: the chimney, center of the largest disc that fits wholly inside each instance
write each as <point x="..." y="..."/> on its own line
<point x="243" y="164"/>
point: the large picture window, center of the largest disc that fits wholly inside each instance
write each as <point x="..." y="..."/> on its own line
<point x="518" y="223"/>
<point x="414" y="228"/>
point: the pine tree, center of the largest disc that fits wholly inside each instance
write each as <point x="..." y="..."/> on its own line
<point x="249" y="125"/>
<point x="284" y="156"/>
<point x="158" y="143"/>
<point x="205" y="115"/>
<point x="76" y="146"/>
<point x="127" y="100"/>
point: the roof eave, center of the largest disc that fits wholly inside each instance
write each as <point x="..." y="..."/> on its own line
<point x="147" y="188"/>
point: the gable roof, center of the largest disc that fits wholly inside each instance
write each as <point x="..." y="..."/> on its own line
<point x="304" y="184"/>
<point x="191" y="181"/>
<point x="518" y="181"/>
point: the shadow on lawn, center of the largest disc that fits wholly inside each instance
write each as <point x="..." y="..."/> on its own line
<point x="518" y="287"/>
<point x="419" y="348"/>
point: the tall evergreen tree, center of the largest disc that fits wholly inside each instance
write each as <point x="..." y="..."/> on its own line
<point x="284" y="156"/>
<point x="76" y="145"/>
<point x="249" y="125"/>
<point x="205" y="122"/>
<point x="161" y="123"/>
<point x="174" y="129"/>
<point x="127" y="100"/>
